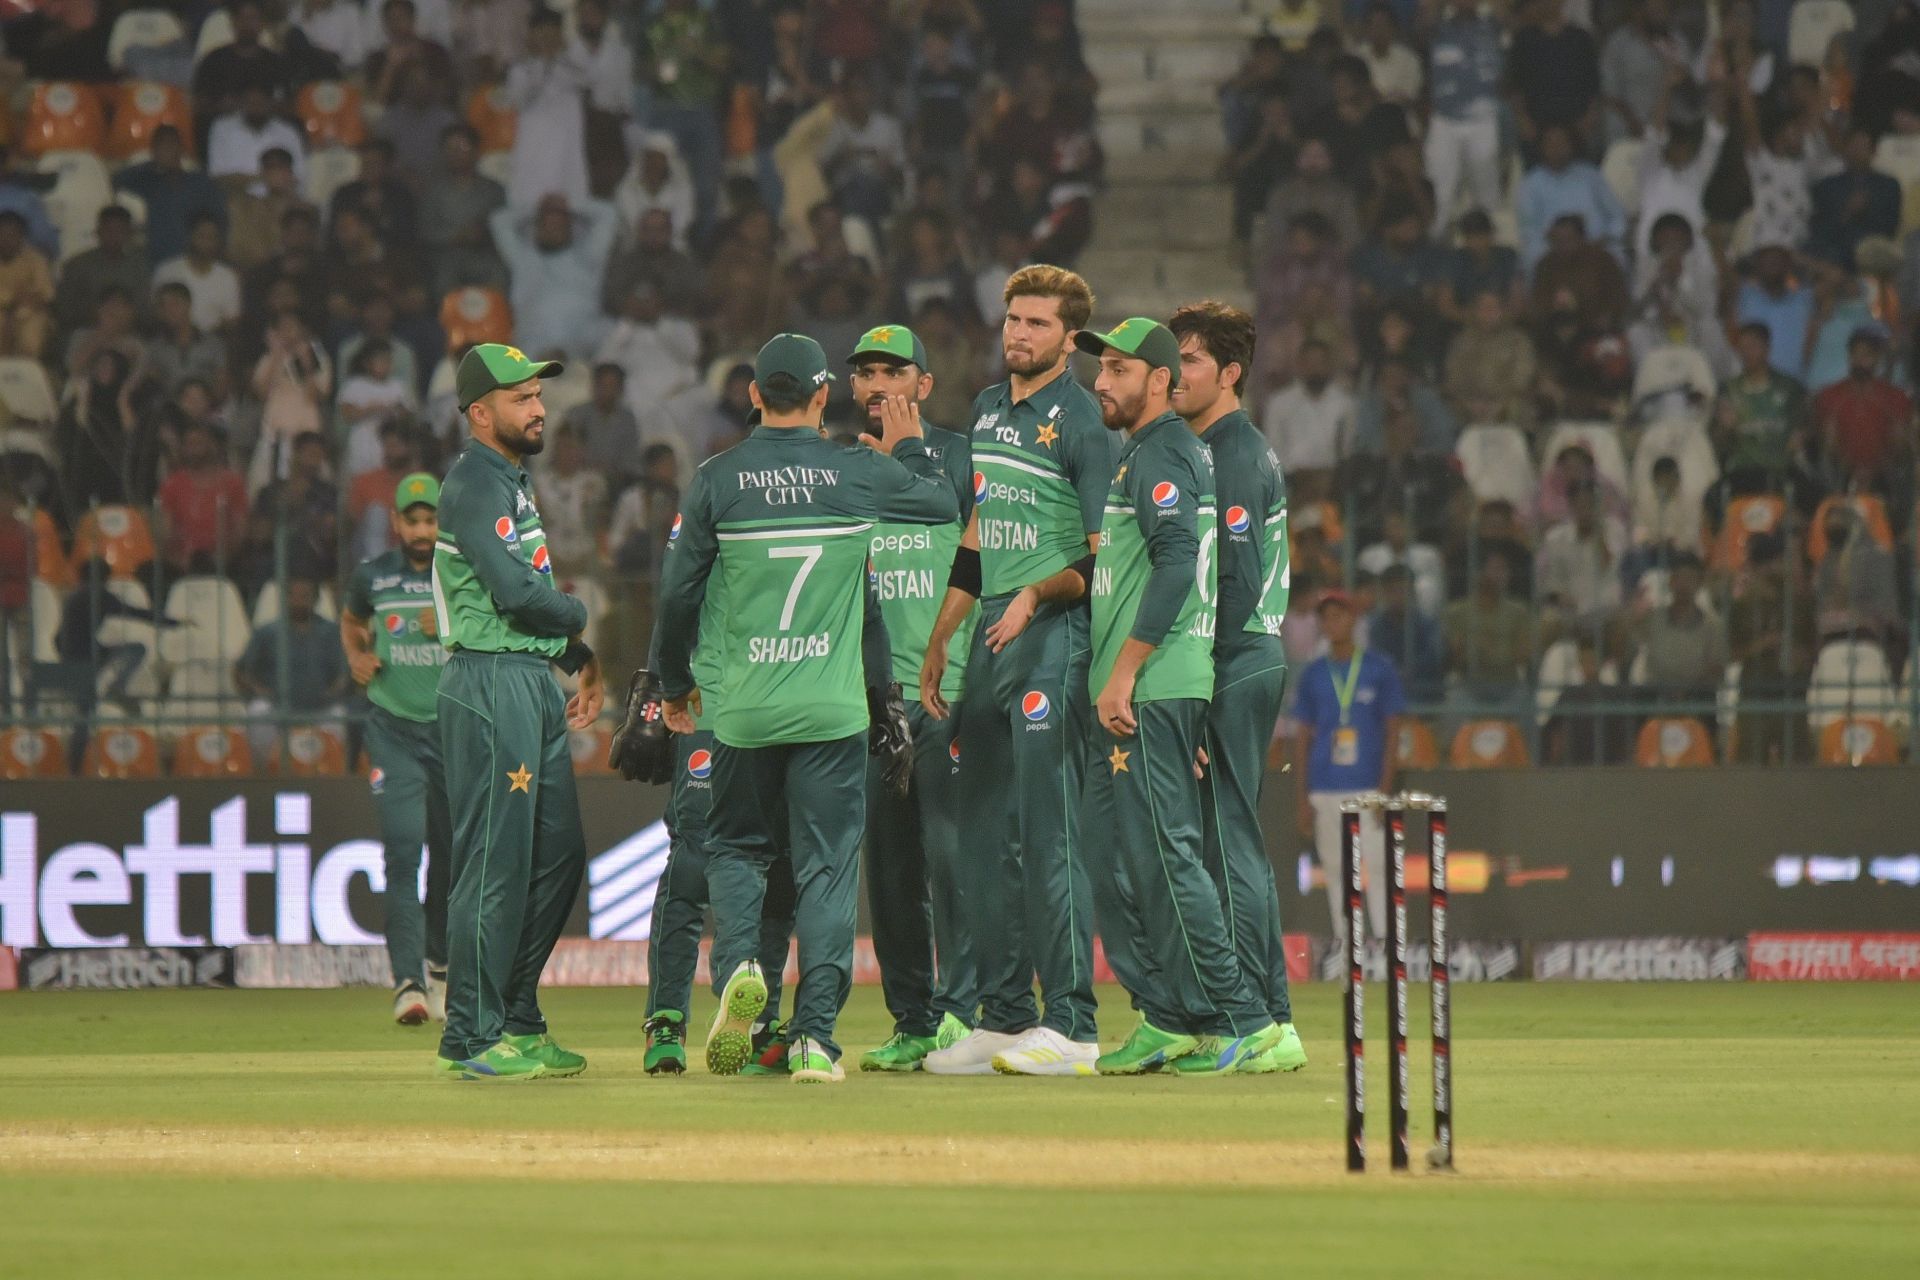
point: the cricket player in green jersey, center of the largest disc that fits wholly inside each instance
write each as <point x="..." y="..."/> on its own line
<point x="1249" y="662"/>
<point x="784" y="518"/>
<point x="393" y="648"/>
<point x="1041" y="466"/>
<point x="913" y="890"/>
<point x="1153" y="631"/>
<point x="518" y="852"/>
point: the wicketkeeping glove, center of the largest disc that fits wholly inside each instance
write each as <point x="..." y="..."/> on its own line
<point x="890" y="736"/>
<point x="641" y="748"/>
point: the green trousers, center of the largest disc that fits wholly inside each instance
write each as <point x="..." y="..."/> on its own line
<point x="920" y="932"/>
<point x="1248" y="682"/>
<point x="1160" y="915"/>
<point x="816" y="793"/>
<point x="680" y="901"/>
<point x="410" y="790"/>
<point x="1029" y="907"/>
<point x="518" y="852"/>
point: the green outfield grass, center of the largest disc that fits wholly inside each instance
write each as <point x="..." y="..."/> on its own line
<point x="1699" y="1130"/>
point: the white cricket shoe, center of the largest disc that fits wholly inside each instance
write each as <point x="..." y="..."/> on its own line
<point x="436" y="994"/>
<point x="409" y="1005"/>
<point x="971" y="1055"/>
<point x="1045" y="1052"/>
<point x="808" y="1063"/>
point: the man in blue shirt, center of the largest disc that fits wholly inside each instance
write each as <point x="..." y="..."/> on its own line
<point x="1772" y="297"/>
<point x="1466" y="69"/>
<point x="1348" y="709"/>
<point x="175" y="195"/>
<point x="1563" y="183"/>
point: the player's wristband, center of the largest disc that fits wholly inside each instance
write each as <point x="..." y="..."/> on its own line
<point x="1084" y="567"/>
<point x="576" y="656"/>
<point x="965" y="574"/>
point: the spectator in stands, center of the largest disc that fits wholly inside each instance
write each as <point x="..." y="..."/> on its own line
<point x="1842" y="307"/>
<point x="1262" y="74"/>
<point x="293" y="668"/>
<point x="112" y="330"/>
<point x="1665" y="520"/>
<point x="1489" y="644"/>
<point x="1310" y="423"/>
<point x="1359" y="127"/>
<point x="1864" y="424"/>
<point x="1572" y="467"/>
<point x="657" y="353"/>
<point x="1402" y="265"/>
<point x="573" y="501"/>
<point x="215" y="286"/>
<point x="306" y="504"/>
<point x="606" y="62"/>
<point x="658" y="183"/>
<point x="643" y="517"/>
<point x="1684" y="646"/>
<point x="700" y="422"/>
<point x="370" y="396"/>
<point x="1579" y="275"/>
<point x="87" y="663"/>
<point x="115" y="261"/>
<point x="26" y="291"/>
<point x="608" y="429"/>
<point x="1477" y="265"/>
<point x="370" y="492"/>
<point x="404" y="46"/>
<point x="222" y="78"/>
<point x="1422" y="561"/>
<point x="415" y="127"/>
<point x="1770" y="630"/>
<point x="1773" y="297"/>
<point x="202" y="504"/>
<point x="1579" y="562"/>
<point x="1563" y="184"/>
<point x="864" y="154"/>
<point x="105" y="458"/>
<point x="1393" y="68"/>
<point x="1496" y="531"/>
<point x="485" y="37"/>
<point x="175" y="196"/>
<point x="650" y="258"/>
<point x="241" y="138"/>
<point x="292" y="379"/>
<point x="547" y="88"/>
<point x="257" y="211"/>
<point x="454" y="213"/>
<point x="682" y="62"/>
<point x="1555" y="71"/>
<point x="337" y="26"/>
<point x="938" y="97"/>
<point x="178" y="350"/>
<point x="1636" y="64"/>
<point x="1313" y="187"/>
<point x="1490" y="368"/>
<point x="381" y="196"/>
<point x="1580" y="734"/>
<point x="1678" y="301"/>
<point x="1467" y="69"/>
<point x="1402" y="413"/>
<point x="746" y="282"/>
<point x="1400" y="628"/>
<point x="20" y="189"/>
<point x="1777" y="172"/>
<point x="1261" y="163"/>
<point x="556" y="269"/>
<point x="1586" y="365"/>
<point x="931" y="267"/>
<point x="1759" y="425"/>
<point x="832" y="257"/>
<point x="1682" y="148"/>
<point x="787" y="83"/>
<point x="59" y="41"/>
<point x="1858" y="202"/>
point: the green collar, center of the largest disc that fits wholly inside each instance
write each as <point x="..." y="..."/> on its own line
<point x="1154" y="428"/>
<point x="494" y="458"/>
<point x="1227" y="420"/>
<point x="1044" y="396"/>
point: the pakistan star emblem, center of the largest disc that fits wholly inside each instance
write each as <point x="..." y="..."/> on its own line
<point x="519" y="778"/>
<point x="515" y="353"/>
<point x="883" y="334"/>
<point x="1119" y="761"/>
<point x="1048" y="434"/>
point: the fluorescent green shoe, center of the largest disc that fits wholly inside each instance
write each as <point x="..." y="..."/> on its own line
<point x="1286" y="1055"/>
<point x="666" y="1043"/>
<point x="808" y="1063"/>
<point x="446" y="1067"/>
<point x="504" y="1061"/>
<point x="730" y="1038"/>
<point x="901" y="1053"/>
<point x="542" y="1049"/>
<point x="950" y="1032"/>
<point x="1147" y="1049"/>
<point x="1222" y="1055"/>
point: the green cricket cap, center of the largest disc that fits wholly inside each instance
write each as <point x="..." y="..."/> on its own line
<point x="493" y="365"/>
<point x="894" y="340"/>
<point x="1139" y="337"/>
<point x="413" y="490"/>
<point x="797" y="356"/>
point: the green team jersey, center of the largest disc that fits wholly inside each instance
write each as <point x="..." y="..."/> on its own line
<point x="1153" y="578"/>
<point x="492" y="576"/>
<point x="783" y="518"/>
<point x="1041" y="467"/>
<point x="1251" y="492"/>
<point x="910" y="567"/>
<point x="395" y="599"/>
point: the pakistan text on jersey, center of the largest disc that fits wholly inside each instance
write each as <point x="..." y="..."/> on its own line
<point x="909" y="584"/>
<point x="416" y="656"/>
<point x="1008" y="535"/>
<point x="785" y="486"/>
<point x="763" y="650"/>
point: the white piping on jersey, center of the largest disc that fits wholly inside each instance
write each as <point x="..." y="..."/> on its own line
<point x="834" y="531"/>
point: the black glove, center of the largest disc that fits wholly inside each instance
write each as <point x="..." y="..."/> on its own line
<point x="890" y="737"/>
<point x="641" y="748"/>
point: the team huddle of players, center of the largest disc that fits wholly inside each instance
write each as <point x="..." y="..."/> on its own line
<point x="1030" y="666"/>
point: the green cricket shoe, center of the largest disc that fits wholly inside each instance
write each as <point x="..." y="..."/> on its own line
<point x="1287" y="1055"/>
<point x="1147" y="1049"/>
<point x="902" y="1052"/>
<point x="1223" y="1055"/>
<point x="542" y="1049"/>
<point x="447" y="1068"/>
<point x="950" y="1032"/>
<point x="808" y="1063"/>
<point x="730" y="1038"/>
<point x="503" y="1062"/>
<point x="666" y="1043"/>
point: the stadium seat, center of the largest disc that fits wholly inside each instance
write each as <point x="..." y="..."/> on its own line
<point x="212" y="751"/>
<point x="474" y="315"/>
<point x="1898" y="156"/>
<point x="1684" y="440"/>
<point x="1850" y="678"/>
<point x="31" y="753"/>
<point x="1602" y="440"/>
<point x="266" y="606"/>
<point x="328" y="170"/>
<point x="1812" y="27"/>
<point x="330" y="112"/>
<point x="1755" y="514"/>
<point x="1498" y="465"/>
<point x="82" y="188"/>
<point x="141" y="28"/>
<point x="1621" y="169"/>
<point x="589" y="747"/>
<point x="28" y="441"/>
<point x="313" y="752"/>
<point x="493" y="118"/>
<point x="1414" y="746"/>
<point x="140" y="107"/>
<point x="121" y="751"/>
<point x="117" y="534"/>
<point x="28" y="391"/>
<point x="63" y="116"/>
<point x="1674" y="380"/>
<point x="1673" y="742"/>
<point x="202" y="690"/>
<point x="1857" y="741"/>
<point x="1488" y="744"/>
<point x="1867" y="506"/>
<point x="215" y="626"/>
<point x="45" y="601"/>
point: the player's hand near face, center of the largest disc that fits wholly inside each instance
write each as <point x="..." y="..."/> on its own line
<point x="679" y="712"/>
<point x="584" y="707"/>
<point x="899" y="420"/>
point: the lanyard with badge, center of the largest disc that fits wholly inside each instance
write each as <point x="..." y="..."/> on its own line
<point x="1346" y="738"/>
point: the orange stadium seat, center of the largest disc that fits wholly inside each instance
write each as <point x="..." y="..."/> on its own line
<point x="473" y="315"/>
<point x="140" y="107"/>
<point x="1488" y="744"/>
<point x="1872" y="512"/>
<point x="330" y="111"/>
<point x="121" y="751"/>
<point x="1414" y="747"/>
<point x="313" y="753"/>
<point x="212" y="751"/>
<point x="589" y="747"/>
<point x="31" y="753"/>
<point x="64" y="116"/>
<point x="1858" y="741"/>
<point x="492" y="118"/>
<point x="119" y="535"/>
<point x="1671" y="743"/>
<point x="1761" y="513"/>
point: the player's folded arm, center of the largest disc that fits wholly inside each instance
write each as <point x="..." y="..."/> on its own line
<point x="523" y="596"/>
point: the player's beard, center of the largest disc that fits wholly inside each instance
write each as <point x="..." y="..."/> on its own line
<point x="1027" y="366"/>
<point x="1120" y="415"/>
<point x="522" y="440"/>
<point x="420" y="554"/>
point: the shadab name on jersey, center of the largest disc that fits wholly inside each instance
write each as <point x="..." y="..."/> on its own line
<point x="775" y="649"/>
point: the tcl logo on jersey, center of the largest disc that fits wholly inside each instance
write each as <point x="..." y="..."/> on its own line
<point x="542" y="563"/>
<point x="1165" y="494"/>
<point x="1237" y="520"/>
<point x="700" y="764"/>
<point x="674" y="532"/>
<point x="504" y="527"/>
<point x="1035" y="707"/>
<point x="396" y="625"/>
<point x="979" y="488"/>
